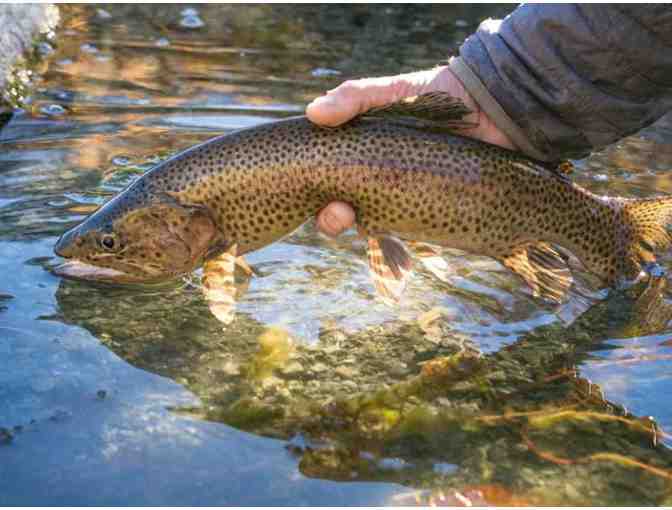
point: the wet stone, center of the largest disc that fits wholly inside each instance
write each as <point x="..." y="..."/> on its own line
<point x="398" y="368"/>
<point x="323" y="72"/>
<point x="88" y="48"/>
<point x="103" y="14"/>
<point x="191" y="19"/>
<point x="6" y="436"/>
<point x="345" y="372"/>
<point x="53" y="110"/>
<point x="319" y="367"/>
<point x="45" y="49"/>
<point x="60" y="416"/>
<point x="230" y="368"/>
<point x="121" y="160"/>
<point x="293" y="368"/>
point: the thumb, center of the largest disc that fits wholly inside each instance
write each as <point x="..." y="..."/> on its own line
<point x="332" y="109"/>
<point x="357" y="96"/>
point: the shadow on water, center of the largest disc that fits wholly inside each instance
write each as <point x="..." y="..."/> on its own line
<point x="516" y="426"/>
<point x="469" y="386"/>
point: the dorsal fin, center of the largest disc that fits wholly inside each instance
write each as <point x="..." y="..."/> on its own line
<point x="431" y="110"/>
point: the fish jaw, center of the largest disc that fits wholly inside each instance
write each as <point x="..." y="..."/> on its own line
<point x="82" y="271"/>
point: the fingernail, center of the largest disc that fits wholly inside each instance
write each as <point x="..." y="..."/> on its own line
<point x="322" y="102"/>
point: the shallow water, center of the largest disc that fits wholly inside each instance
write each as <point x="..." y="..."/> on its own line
<point x="317" y="393"/>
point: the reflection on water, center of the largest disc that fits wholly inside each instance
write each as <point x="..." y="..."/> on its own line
<point x="469" y="389"/>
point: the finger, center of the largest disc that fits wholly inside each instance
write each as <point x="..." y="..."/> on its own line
<point x="335" y="218"/>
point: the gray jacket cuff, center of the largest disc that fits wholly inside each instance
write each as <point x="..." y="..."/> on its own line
<point x="571" y="78"/>
<point x="492" y="108"/>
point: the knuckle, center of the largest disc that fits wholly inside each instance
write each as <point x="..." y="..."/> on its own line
<point x="349" y="87"/>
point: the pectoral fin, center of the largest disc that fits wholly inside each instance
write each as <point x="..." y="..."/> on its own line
<point x="544" y="270"/>
<point x="390" y="266"/>
<point x="219" y="284"/>
<point x="431" y="257"/>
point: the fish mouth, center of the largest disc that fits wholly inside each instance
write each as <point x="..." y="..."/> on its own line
<point x="79" y="270"/>
<point x="82" y="271"/>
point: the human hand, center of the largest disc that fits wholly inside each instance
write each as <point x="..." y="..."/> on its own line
<point x="354" y="97"/>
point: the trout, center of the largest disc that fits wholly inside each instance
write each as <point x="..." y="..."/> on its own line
<point x="407" y="175"/>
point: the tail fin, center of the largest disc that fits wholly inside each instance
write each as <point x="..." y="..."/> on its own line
<point x="647" y="221"/>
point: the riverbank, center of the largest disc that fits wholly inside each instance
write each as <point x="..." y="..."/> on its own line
<point x="24" y="40"/>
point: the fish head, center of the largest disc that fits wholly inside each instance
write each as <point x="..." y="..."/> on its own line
<point x="138" y="237"/>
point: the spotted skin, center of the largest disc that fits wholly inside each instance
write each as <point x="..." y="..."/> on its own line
<point x="258" y="185"/>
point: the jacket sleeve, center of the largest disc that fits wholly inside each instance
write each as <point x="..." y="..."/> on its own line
<point x="564" y="79"/>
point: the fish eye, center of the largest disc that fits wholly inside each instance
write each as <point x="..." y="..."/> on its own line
<point x="108" y="242"/>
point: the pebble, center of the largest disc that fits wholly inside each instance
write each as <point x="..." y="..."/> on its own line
<point x="53" y="109"/>
<point x="191" y="20"/>
<point x="322" y="72"/>
<point x="6" y="436"/>
<point x="121" y="161"/>
<point x="88" y="48"/>
<point x="60" y="415"/>
<point x="284" y="394"/>
<point x="292" y="369"/>
<point x="572" y="492"/>
<point x="103" y="14"/>
<point x="444" y="468"/>
<point x="44" y="49"/>
<point x="394" y="464"/>
<point x="345" y="372"/>
<point x="319" y="367"/>
<point x="231" y="368"/>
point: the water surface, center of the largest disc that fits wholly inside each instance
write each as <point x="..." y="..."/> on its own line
<point x="317" y="393"/>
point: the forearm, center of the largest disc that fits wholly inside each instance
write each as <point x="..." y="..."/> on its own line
<point x="566" y="79"/>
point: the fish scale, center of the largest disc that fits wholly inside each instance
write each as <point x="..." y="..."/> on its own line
<point x="407" y="175"/>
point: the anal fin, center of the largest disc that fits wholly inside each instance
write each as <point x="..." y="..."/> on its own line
<point x="544" y="270"/>
<point x="219" y="284"/>
<point x="390" y="267"/>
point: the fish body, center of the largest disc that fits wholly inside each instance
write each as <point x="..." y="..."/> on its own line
<point x="245" y="190"/>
